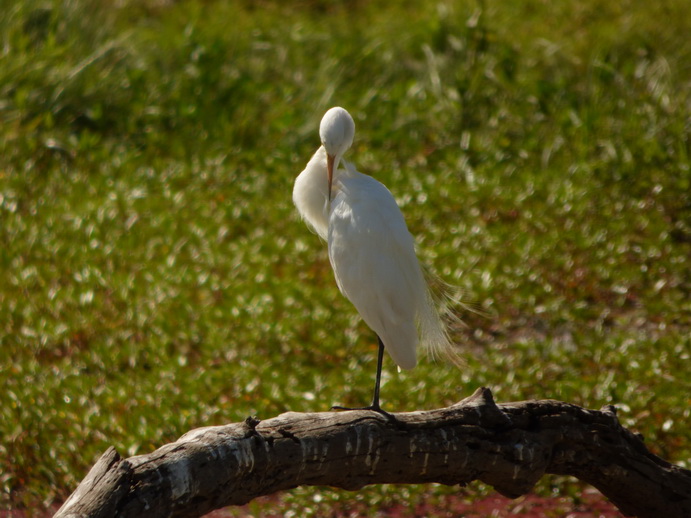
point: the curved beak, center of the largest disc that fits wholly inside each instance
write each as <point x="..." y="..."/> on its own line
<point x="330" y="170"/>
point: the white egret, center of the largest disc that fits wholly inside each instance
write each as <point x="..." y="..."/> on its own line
<point x="372" y="253"/>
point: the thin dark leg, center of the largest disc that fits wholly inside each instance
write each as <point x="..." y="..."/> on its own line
<point x="377" y="384"/>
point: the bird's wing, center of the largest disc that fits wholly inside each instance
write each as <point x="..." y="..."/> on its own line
<point x="373" y="257"/>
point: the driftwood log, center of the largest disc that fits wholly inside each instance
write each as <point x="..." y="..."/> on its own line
<point x="509" y="446"/>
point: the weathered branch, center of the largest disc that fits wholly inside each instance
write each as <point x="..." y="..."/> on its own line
<point x="509" y="446"/>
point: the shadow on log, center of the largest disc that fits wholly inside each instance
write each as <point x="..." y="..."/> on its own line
<point x="509" y="446"/>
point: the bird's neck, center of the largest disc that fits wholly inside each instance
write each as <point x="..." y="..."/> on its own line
<point x="312" y="191"/>
<point x="317" y="171"/>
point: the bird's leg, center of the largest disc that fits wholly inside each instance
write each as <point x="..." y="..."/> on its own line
<point x="380" y="361"/>
<point x="375" y="407"/>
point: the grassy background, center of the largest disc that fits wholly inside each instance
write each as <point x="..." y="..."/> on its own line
<point x="155" y="276"/>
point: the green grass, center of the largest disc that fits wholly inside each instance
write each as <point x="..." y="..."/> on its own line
<point x="155" y="275"/>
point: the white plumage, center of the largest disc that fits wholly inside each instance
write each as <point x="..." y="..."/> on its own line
<point x="370" y="248"/>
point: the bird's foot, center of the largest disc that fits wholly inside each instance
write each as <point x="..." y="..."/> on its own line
<point x="373" y="408"/>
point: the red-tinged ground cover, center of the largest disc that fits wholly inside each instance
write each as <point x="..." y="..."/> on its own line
<point x="591" y="504"/>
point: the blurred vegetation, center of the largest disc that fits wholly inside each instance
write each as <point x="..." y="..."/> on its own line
<point x="155" y="275"/>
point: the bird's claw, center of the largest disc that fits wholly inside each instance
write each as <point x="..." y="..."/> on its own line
<point x="372" y="408"/>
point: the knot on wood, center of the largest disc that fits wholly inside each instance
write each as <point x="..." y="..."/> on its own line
<point x="489" y="413"/>
<point x="610" y="411"/>
<point x="251" y="425"/>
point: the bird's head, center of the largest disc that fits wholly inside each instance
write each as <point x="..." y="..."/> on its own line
<point x="336" y="131"/>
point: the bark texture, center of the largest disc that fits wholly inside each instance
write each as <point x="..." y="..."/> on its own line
<point x="509" y="446"/>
